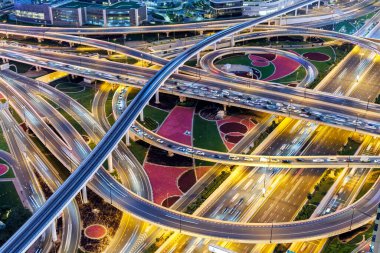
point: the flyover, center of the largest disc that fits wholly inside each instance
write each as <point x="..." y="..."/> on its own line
<point x="328" y="109"/>
<point x="23" y="238"/>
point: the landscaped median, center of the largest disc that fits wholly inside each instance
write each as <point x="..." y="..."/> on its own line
<point x="320" y="189"/>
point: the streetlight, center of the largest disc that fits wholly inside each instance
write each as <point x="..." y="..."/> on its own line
<point x="111" y="185"/>
<point x="367" y="103"/>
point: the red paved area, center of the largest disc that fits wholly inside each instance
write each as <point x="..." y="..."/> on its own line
<point x="186" y="180"/>
<point x="179" y="121"/>
<point x="315" y="56"/>
<point x="164" y="180"/>
<point x="95" y="231"/>
<point x="284" y="66"/>
<point x="201" y="170"/>
<point x="3" y="169"/>
<point x="258" y="61"/>
<point x="230" y="132"/>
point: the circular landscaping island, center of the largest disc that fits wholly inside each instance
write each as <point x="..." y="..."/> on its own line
<point x="95" y="232"/>
<point x="315" y="56"/>
<point x="69" y="87"/>
<point x="3" y="169"/>
<point x="233" y="127"/>
<point x="169" y="201"/>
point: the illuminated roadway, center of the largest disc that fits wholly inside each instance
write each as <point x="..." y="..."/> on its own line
<point x="351" y="114"/>
<point x="311" y="229"/>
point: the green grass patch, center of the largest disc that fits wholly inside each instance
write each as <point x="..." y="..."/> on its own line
<point x="155" y="114"/>
<point x="139" y="149"/>
<point x="69" y="87"/>
<point x="149" y="123"/>
<point x="3" y="142"/>
<point x="84" y="97"/>
<point x="350" y="147"/>
<point x="12" y="213"/>
<point x="8" y="194"/>
<point x="206" y="135"/>
<point x="203" y="163"/>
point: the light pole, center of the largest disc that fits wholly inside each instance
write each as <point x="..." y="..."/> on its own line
<point x="111" y="192"/>
<point x="367" y="103"/>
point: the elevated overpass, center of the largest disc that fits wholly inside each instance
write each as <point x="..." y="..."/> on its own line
<point x="139" y="207"/>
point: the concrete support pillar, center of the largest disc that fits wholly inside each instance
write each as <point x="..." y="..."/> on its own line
<point x="224" y="108"/>
<point x="109" y="52"/>
<point x="251" y="29"/>
<point x="40" y="40"/>
<point x="182" y="99"/>
<point x="110" y="165"/>
<point x="304" y="38"/>
<point x="201" y="32"/>
<point x="319" y="4"/>
<point x="54" y="231"/>
<point x="157" y="97"/>
<point x="124" y="36"/>
<point x="198" y="58"/>
<point x="142" y="116"/>
<point x="307" y="9"/>
<point x="232" y="41"/>
<point x="170" y="153"/>
<point x="7" y="35"/>
<point x="167" y="34"/>
<point x="214" y="46"/>
<point x="84" y="195"/>
<point x="71" y="44"/>
<point x="280" y="20"/>
<point x="127" y="141"/>
<point x="295" y="14"/>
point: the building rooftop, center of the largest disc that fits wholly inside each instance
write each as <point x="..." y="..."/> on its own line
<point x="119" y="5"/>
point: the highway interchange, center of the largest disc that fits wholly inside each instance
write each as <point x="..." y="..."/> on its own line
<point x="127" y="201"/>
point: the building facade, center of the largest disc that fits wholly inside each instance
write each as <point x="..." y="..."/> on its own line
<point x="227" y="8"/>
<point x="78" y="13"/>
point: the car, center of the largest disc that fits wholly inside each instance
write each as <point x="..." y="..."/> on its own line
<point x="318" y="160"/>
<point x="376" y="161"/>
<point x="160" y="141"/>
<point x="217" y="156"/>
<point x="300" y="160"/>
<point x="198" y="152"/>
<point x="234" y="158"/>
<point x="286" y="161"/>
<point x="248" y="159"/>
<point x="189" y="150"/>
<point x="182" y="149"/>
<point x="364" y="159"/>
<point x="334" y="159"/>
